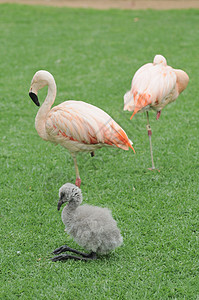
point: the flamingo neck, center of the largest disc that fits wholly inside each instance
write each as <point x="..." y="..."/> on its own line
<point x="40" y="120"/>
<point x="182" y="80"/>
<point x="68" y="215"/>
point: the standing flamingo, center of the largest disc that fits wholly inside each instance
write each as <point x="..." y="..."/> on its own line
<point x="75" y="125"/>
<point x="154" y="86"/>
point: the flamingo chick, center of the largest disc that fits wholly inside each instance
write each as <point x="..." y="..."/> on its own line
<point x="75" y="125"/>
<point x="154" y="86"/>
<point x="92" y="227"/>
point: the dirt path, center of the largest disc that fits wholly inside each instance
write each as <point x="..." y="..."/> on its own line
<point x="122" y="4"/>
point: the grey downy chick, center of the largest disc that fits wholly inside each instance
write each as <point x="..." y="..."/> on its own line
<point x="92" y="227"/>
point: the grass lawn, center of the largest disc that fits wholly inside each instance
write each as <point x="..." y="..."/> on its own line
<point x="93" y="56"/>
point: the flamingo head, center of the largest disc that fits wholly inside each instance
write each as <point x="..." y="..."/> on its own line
<point x="40" y="80"/>
<point x="69" y="193"/>
<point x="159" y="59"/>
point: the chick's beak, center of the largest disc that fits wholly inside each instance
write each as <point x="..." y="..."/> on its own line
<point x="59" y="204"/>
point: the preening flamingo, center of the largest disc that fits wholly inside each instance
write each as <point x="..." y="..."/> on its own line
<point x="154" y="86"/>
<point x="75" y="125"/>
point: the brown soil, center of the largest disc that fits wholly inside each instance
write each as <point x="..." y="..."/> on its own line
<point x="106" y="4"/>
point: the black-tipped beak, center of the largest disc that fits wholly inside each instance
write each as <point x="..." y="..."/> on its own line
<point x="60" y="202"/>
<point x="34" y="98"/>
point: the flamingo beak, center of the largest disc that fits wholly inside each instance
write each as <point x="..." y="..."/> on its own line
<point x="59" y="204"/>
<point x="34" y="98"/>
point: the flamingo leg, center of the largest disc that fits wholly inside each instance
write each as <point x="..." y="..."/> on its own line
<point x="158" y="114"/>
<point x="62" y="257"/>
<point x="65" y="248"/>
<point x="78" y="180"/>
<point x="150" y="134"/>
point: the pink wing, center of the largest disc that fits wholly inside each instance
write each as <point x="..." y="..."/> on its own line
<point x="151" y="85"/>
<point x="84" y="123"/>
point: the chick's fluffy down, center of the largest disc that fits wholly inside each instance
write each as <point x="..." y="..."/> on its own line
<point x="94" y="229"/>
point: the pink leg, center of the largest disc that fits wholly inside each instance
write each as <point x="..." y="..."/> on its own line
<point x="158" y="114"/>
<point x="150" y="134"/>
<point x="78" y="180"/>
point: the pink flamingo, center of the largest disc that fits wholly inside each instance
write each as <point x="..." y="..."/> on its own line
<point x="75" y="125"/>
<point x="154" y="86"/>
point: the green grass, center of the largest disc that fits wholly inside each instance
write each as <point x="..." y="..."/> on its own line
<point x="93" y="56"/>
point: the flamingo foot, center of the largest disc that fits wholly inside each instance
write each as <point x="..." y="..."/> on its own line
<point x="78" y="182"/>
